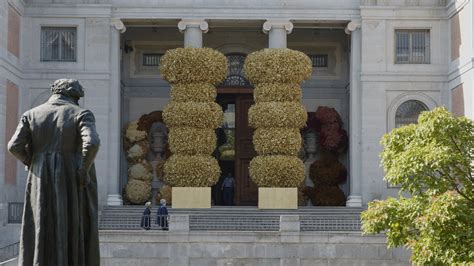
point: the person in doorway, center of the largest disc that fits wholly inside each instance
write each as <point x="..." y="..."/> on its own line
<point x="228" y="190"/>
<point x="146" y="218"/>
<point x="162" y="215"/>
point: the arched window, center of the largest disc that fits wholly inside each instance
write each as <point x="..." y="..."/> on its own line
<point x="235" y="76"/>
<point x="408" y="112"/>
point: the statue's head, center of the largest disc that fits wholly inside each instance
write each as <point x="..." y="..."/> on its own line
<point x="68" y="87"/>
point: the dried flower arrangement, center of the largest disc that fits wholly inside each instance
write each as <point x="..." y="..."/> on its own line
<point x="164" y="193"/>
<point x="328" y="172"/>
<point x="192" y="115"/>
<point x="328" y="196"/>
<point x="277" y="115"/>
<point x="332" y="137"/>
<point x="138" y="191"/>
<point x="140" y="171"/>
<point x="138" y="151"/>
<point x="138" y="188"/>
<point x="274" y="141"/>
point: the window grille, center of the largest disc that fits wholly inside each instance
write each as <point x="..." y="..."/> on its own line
<point x="235" y="74"/>
<point x="58" y="44"/>
<point x="151" y="59"/>
<point x="319" y="60"/>
<point x="412" y="47"/>
<point x="408" y="112"/>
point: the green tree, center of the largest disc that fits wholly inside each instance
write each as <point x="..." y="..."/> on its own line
<point x="433" y="216"/>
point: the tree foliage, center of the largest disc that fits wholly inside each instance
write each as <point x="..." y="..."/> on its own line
<point x="432" y="163"/>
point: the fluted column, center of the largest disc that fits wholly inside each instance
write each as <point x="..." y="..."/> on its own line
<point x="355" y="126"/>
<point x="277" y="31"/>
<point x="193" y="30"/>
<point x="114" y="197"/>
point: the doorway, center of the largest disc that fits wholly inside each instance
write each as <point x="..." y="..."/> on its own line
<point x="235" y="159"/>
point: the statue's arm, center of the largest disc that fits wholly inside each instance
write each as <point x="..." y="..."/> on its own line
<point x="20" y="143"/>
<point x="90" y="139"/>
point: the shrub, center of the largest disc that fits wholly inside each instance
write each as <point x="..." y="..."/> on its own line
<point x="277" y="114"/>
<point x="277" y="92"/>
<point x="138" y="191"/>
<point x="274" y="141"/>
<point x="277" y="171"/>
<point x="191" y="171"/>
<point x="193" y="65"/>
<point x="277" y="66"/>
<point x="192" y="141"/>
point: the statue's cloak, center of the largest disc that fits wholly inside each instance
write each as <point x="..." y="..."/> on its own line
<point x="57" y="141"/>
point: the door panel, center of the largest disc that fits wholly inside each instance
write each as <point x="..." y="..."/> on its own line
<point x="246" y="189"/>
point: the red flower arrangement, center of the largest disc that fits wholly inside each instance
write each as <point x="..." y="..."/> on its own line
<point x="145" y="121"/>
<point x="326" y="115"/>
<point x="328" y="196"/>
<point x="333" y="138"/>
<point x="327" y="171"/>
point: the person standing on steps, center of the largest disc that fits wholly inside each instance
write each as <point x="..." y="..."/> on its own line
<point x="228" y="190"/>
<point x="162" y="215"/>
<point x="146" y="218"/>
<point x="58" y="142"/>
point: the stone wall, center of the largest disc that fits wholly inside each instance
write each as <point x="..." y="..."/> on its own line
<point x="246" y="248"/>
<point x="11" y="89"/>
<point x="461" y="74"/>
<point x="386" y="85"/>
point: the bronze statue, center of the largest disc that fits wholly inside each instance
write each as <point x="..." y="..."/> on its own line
<point x="58" y="142"/>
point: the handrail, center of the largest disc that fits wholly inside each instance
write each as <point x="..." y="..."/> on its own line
<point x="9" y="251"/>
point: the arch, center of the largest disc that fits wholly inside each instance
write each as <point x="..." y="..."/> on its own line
<point x="408" y="112"/>
<point x="237" y="48"/>
<point x="420" y="100"/>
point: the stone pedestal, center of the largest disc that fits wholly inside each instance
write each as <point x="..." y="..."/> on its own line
<point x="277" y="198"/>
<point x="191" y="197"/>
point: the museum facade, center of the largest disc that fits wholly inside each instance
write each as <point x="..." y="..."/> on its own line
<point x="377" y="63"/>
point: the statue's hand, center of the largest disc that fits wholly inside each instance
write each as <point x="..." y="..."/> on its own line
<point x="84" y="178"/>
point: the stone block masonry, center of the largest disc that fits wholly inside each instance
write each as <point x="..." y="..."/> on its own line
<point x="246" y="248"/>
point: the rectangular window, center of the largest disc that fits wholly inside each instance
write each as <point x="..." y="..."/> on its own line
<point x="412" y="46"/>
<point x="58" y="44"/>
<point x="319" y="60"/>
<point x="151" y="59"/>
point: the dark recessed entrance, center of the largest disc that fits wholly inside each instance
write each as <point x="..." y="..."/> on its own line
<point x="235" y="162"/>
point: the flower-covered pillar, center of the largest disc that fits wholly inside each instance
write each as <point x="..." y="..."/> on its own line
<point x="277" y="116"/>
<point x="192" y="115"/>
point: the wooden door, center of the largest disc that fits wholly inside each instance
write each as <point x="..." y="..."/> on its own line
<point x="246" y="190"/>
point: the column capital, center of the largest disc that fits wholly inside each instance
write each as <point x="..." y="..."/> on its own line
<point x="278" y="24"/>
<point x="352" y="26"/>
<point x="195" y="23"/>
<point x="118" y="25"/>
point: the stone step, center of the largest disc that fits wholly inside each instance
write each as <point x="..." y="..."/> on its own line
<point x="239" y="218"/>
<point x="237" y="211"/>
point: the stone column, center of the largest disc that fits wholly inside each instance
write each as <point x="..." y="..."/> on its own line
<point x="355" y="123"/>
<point x="114" y="197"/>
<point x="277" y="31"/>
<point x="193" y="29"/>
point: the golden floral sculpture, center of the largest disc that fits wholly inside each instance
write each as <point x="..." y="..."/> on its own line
<point x="192" y="115"/>
<point x="138" y="188"/>
<point x="138" y="191"/>
<point x="277" y="115"/>
<point x="138" y="151"/>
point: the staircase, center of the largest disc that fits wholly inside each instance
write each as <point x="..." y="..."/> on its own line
<point x="238" y="218"/>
